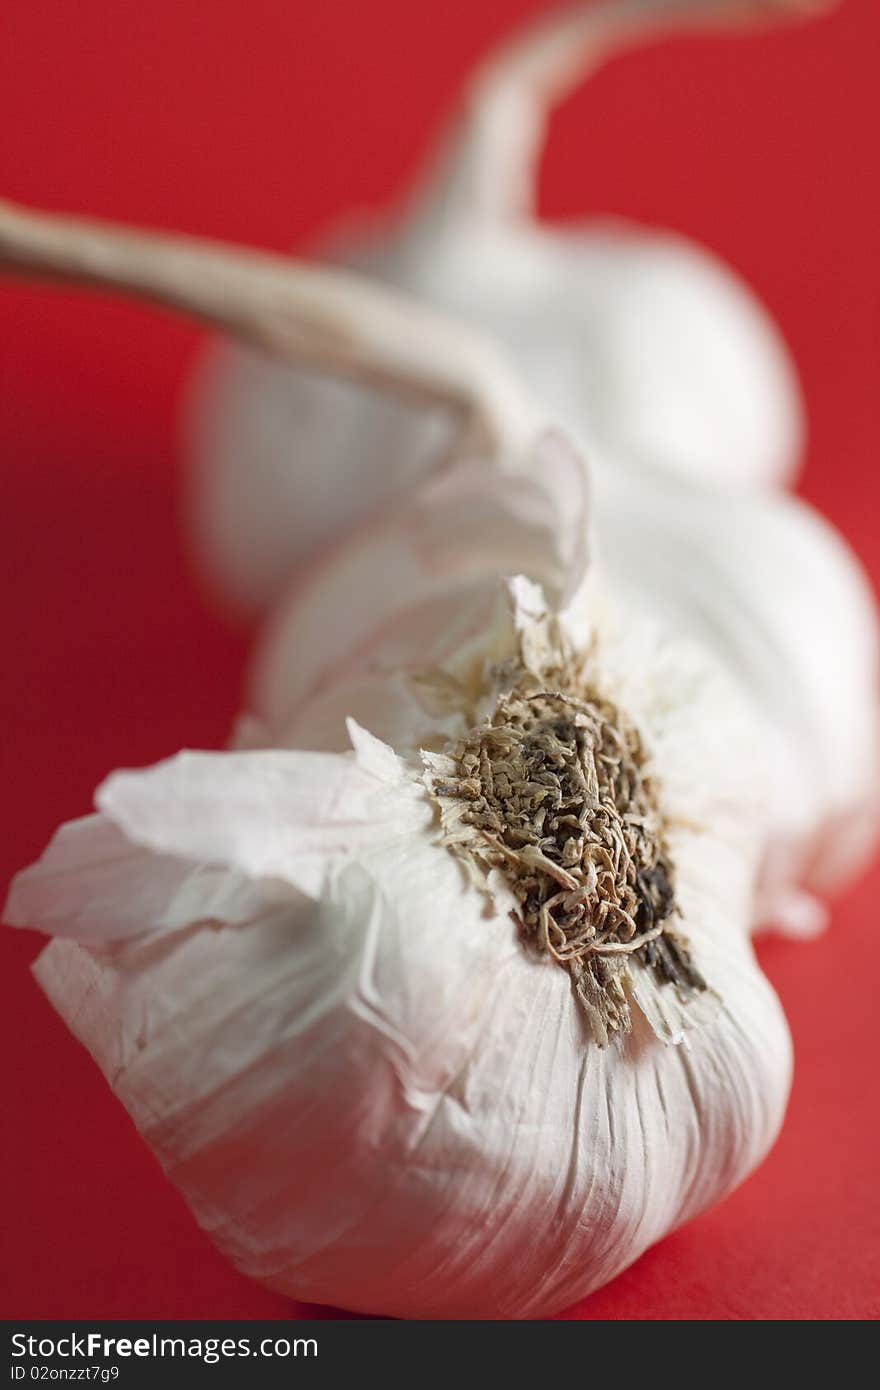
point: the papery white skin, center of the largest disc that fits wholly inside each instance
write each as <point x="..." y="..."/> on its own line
<point x="368" y="1093"/>
<point x="640" y="344"/>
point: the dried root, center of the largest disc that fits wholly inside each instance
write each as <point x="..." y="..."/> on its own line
<point x="554" y="789"/>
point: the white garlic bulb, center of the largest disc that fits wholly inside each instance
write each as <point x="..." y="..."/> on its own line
<point x="315" y="1006"/>
<point x="759" y="581"/>
<point x="668" y="375"/>
<point x="640" y="344"/>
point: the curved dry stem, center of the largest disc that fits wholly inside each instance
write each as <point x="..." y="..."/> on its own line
<point x="326" y="319"/>
<point x="489" y="164"/>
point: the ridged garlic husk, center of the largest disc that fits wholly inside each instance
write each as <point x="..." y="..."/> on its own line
<point x="311" y="994"/>
<point x="643" y="346"/>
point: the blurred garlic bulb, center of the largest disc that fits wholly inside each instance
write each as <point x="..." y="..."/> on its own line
<point x="311" y="997"/>
<point x="640" y="344"/>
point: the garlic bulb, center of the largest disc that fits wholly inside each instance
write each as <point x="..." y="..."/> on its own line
<point x="670" y="378"/>
<point x="722" y="573"/>
<point x="641" y="345"/>
<point x="371" y="1089"/>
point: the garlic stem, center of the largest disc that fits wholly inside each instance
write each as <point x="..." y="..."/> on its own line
<point x="489" y="168"/>
<point x="315" y="317"/>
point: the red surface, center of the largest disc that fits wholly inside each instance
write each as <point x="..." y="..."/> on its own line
<point x="260" y="121"/>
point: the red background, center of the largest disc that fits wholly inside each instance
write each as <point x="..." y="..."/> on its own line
<point x="260" y="120"/>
